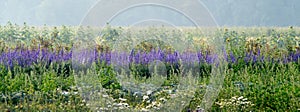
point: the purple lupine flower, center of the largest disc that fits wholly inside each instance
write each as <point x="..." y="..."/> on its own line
<point x="209" y="59"/>
<point x="232" y="57"/>
<point x="131" y="55"/>
<point x="200" y="57"/>
<point x="254" y="59"/>
<point x="296" y="57"/>
<point x="285" y="59"/>
<point x="247" y="57"/>
<point x="143" y="58"/>
<point x="161" y="55"/>
<point x="137" y="57"/>
<point x="262" y="59"/>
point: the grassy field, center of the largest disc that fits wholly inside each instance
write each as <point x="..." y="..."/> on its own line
<point x="38" y="71"/>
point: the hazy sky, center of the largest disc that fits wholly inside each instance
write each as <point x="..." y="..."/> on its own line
<point x="226" y="12"/>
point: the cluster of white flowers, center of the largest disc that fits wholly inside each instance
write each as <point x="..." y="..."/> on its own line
<point x="152" y="105"/>
<point x="235" y="101"/>
<point x="145" y="98"/>
<point x="109" y="103"/>
<point x="66" y="93"/>
<point x="122" y="104"/>
<point x="145" y="110"/>
<point x="115" y="106"/>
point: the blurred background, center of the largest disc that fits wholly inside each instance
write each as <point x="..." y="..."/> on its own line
<point x="226" y="12"/>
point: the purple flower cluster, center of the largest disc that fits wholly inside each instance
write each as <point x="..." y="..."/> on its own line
<point x="25" y="57"/>
<point x="255" y="58"/>
<point x="138" y="57"/>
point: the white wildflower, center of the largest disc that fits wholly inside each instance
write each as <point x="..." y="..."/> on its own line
<point x="169" y="91"/>
<point x="234" y="97"/>
<point x="243" y="103"/>
<point x="153" y="103"/>
<point x="149" y="106"/>
<point x="149" y="92"/>
<point x="162" y="99"/>
<point x="108" y="106"/>
<point x="65" y="93"/>
<point x="145" y="110"/>
<point x="145" y="97"/>
<point x="125" y="105"/>
<point x="122" y="99"/>
<point x="119" y="104"/>
<point x="240" y="98"/>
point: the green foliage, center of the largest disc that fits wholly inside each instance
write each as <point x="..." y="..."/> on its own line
<point x="108" y="78"/>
